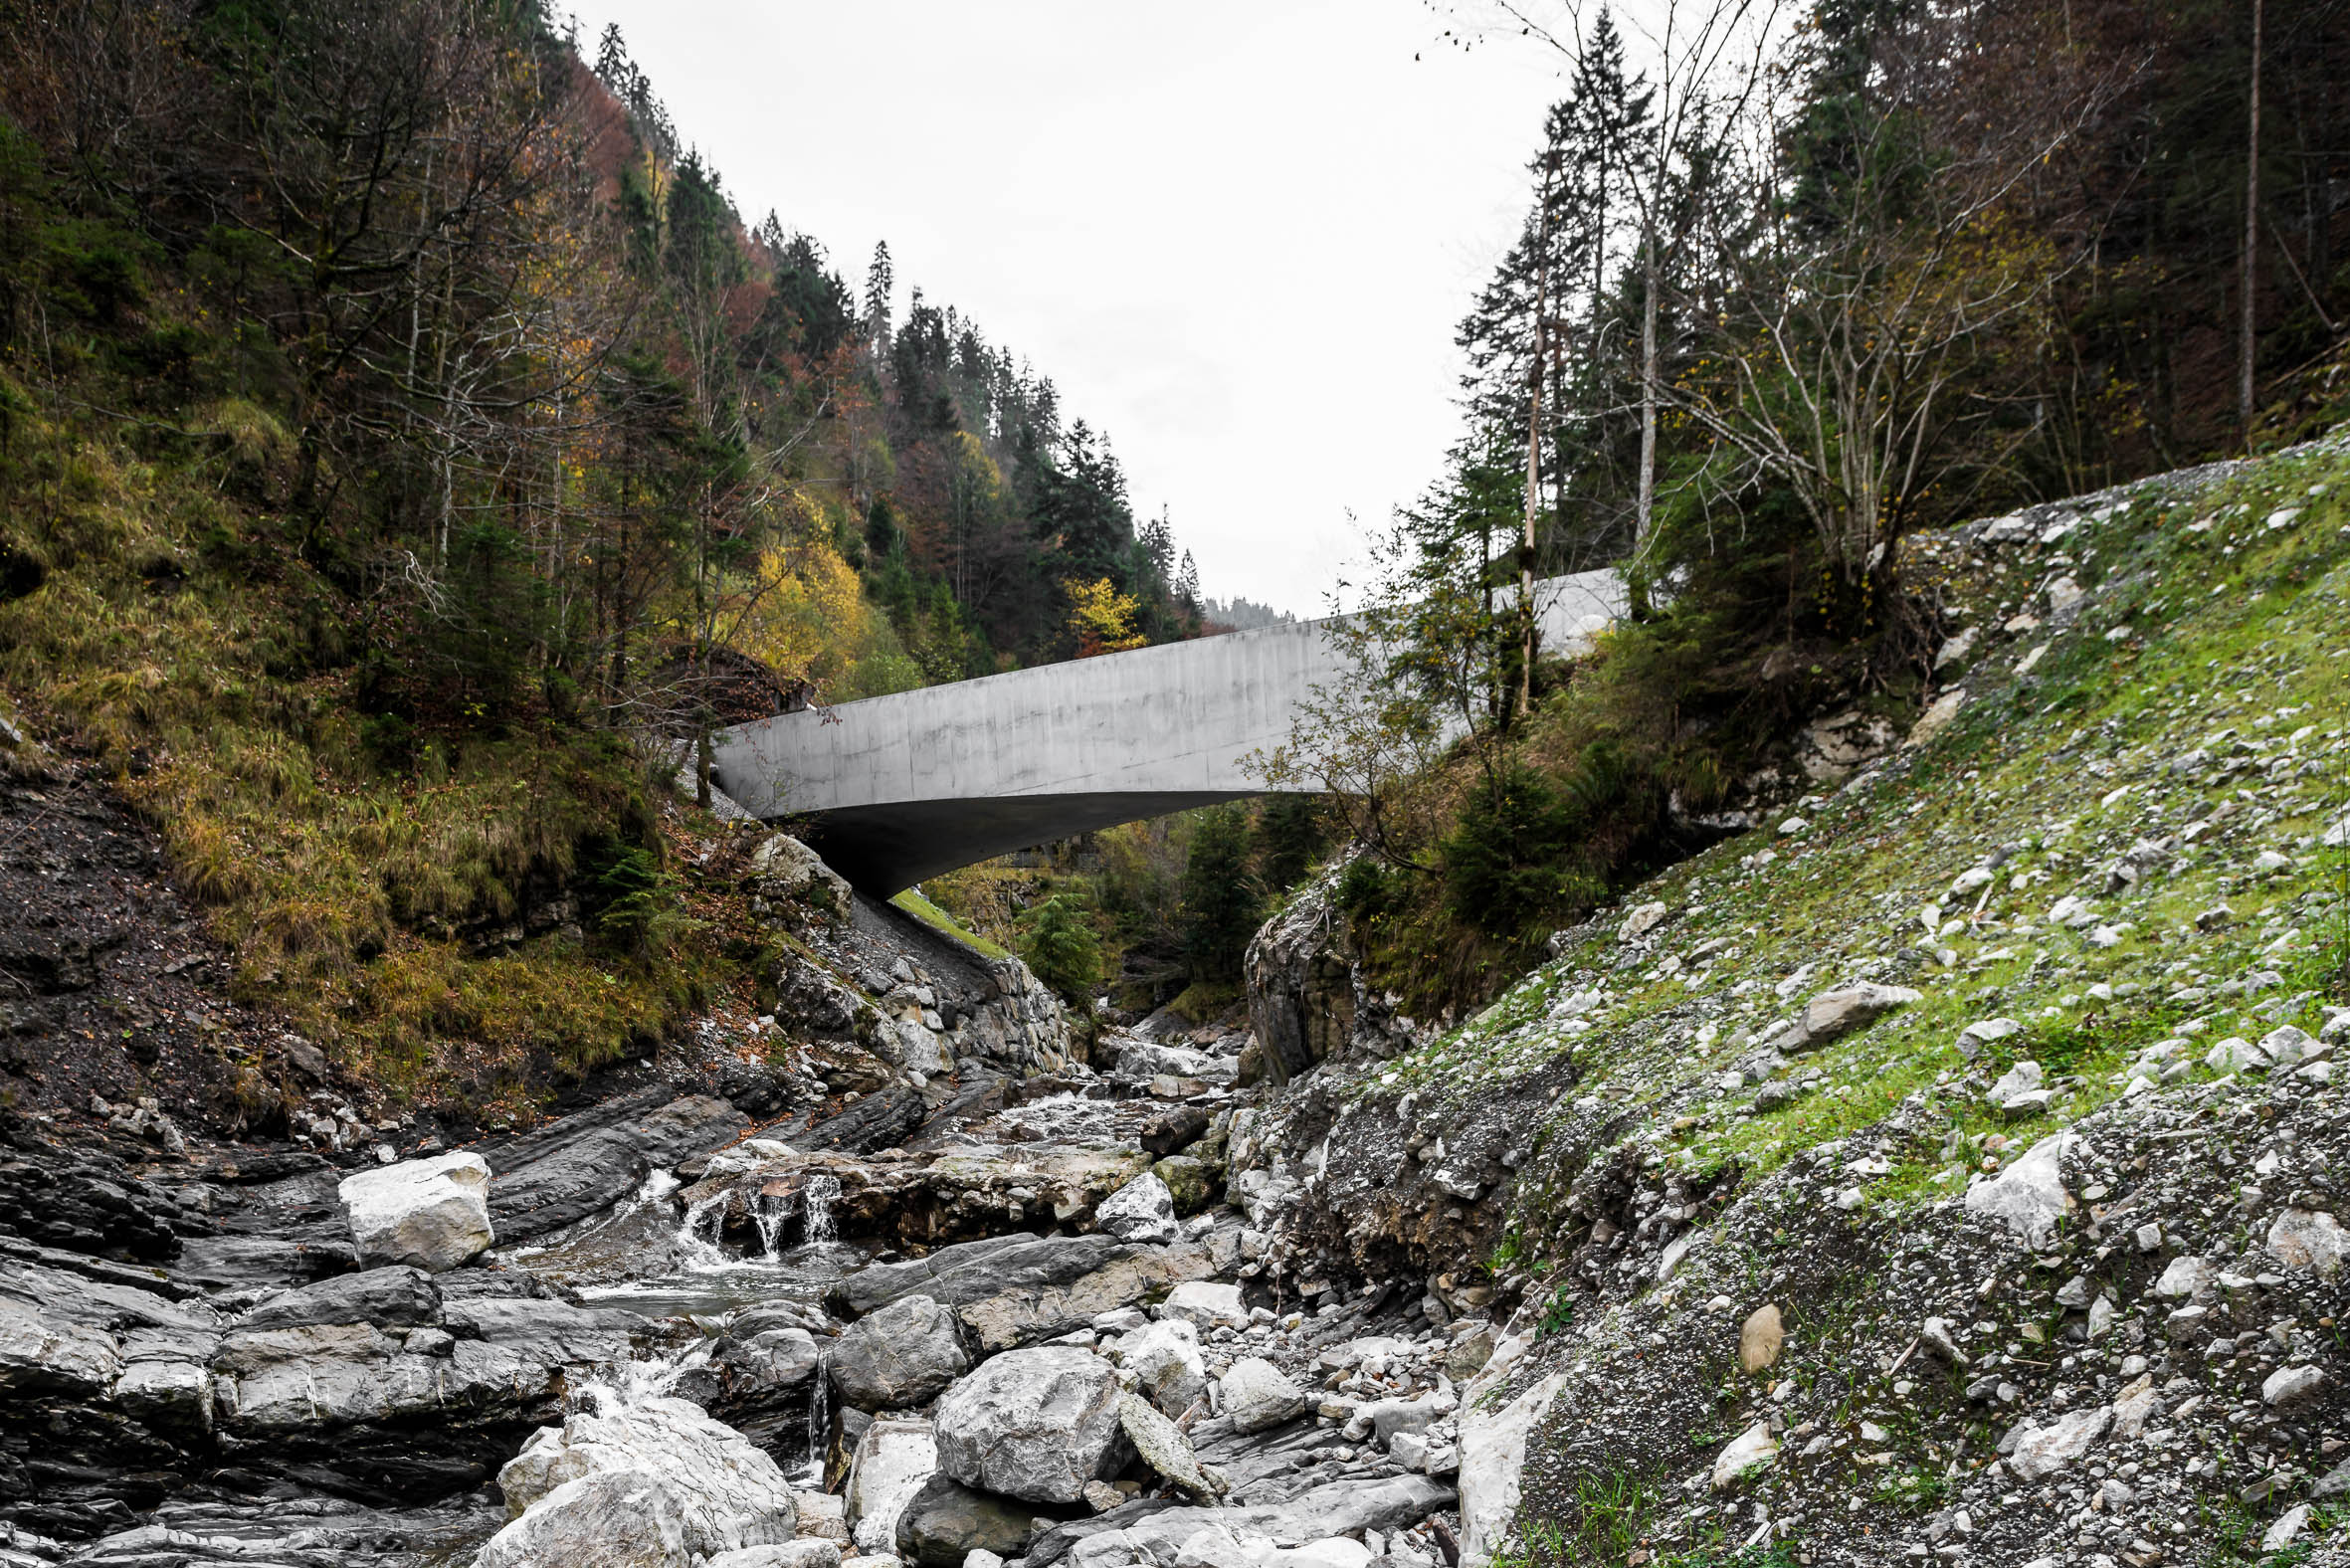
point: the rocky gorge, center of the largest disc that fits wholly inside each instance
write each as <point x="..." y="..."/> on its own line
<point x="1946" y="1168"/>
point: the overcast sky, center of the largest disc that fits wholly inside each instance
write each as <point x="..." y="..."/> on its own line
<point x="1237" y="234"/>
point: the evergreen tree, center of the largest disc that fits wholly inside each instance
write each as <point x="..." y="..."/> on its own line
<point x="1222" y="904"/>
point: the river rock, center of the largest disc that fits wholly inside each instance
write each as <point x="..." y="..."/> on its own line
<point x="1012" y="1290"/>
<point x="802" y="1553"/>
<point x="1163" y="1447"/>
<point x="945" y="1521"/>
<point x="609" y="1519"/>
<point x="901" y="1356"/>
<point x="429" y="1214"/>
<point x="1189" y="1182"/>
<point x="569" y="1169"/>
<point x="893" y="1458"/>
<point x="727" y="1493"/>
<point x="1341" y="1507"/>
<point x="1207" y="1304"/>
<point x="1256" y="1395"/>
<point x="1165" y="1355"/>
<point x="1035" y="1424"/>
<point x="399" y="1295"/>
<point x="1141" y="1211"/>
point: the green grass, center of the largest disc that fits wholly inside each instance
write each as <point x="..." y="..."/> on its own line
<point x="2059" y="772"/>
<point x="923" y="910"/>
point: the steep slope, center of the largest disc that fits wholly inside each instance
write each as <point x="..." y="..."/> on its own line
<point x="1948" y="1167"/>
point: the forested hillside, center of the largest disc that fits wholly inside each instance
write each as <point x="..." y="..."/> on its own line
<point x="405" y="439"/>
<point x="1793" y="285"/>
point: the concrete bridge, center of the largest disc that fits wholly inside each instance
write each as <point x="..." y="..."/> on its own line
<point x="905" y="787"/>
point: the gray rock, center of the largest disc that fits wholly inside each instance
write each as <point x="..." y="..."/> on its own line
<point x="2309" y="1239"/>
<point x="1017" y="1290"/>
<point x="2041" y="1452"/>
<point x="1256" y="1395"/>
<point x="897" y="1357"/>
<point x="945" y="1521"/>
<point x="580" y="1165"/>
<point x="1166" y="1356"/>
<point x="1141" y="1211"/>
<point x="1035" y="1424"/>
<point x="893" y="1458"/>
<point x="607" y="1519"/>
<point x="383" y="1297"/>
<point x="429" y="1214"/>
<point x="804" y="1553"/>
<point x="1165" y="1449"/>
<point x="2028" y="1196"/>
<point x="1342" y="1508"/>
<point x="727" y="1493"/>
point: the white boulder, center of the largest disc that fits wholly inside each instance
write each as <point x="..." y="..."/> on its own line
<point x="651" y="1470"/>
<point x="429" y="1214"/>
<point x="1141" y="1211"/>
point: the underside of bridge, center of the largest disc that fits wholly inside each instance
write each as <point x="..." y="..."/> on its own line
<point x="882" y="848"/>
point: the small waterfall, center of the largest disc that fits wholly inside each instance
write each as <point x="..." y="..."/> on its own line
<point x="769" y="1214"/>
<point x="698" y="1235"/>
<point x="817" y="1198"/>
<point x="819" y="1415"/>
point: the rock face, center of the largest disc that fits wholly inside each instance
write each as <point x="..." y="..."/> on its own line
<point x="582" y="1164"/>
<point x="428" y="1213"/>
<point x="1308" y="999"/>
<point x="903" y="1355"/>
<point x="1035" y="1424"/>
<point x="637" y="1468"/>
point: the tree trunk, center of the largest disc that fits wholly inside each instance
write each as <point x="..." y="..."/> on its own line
<point x="1643" y="517"/>
<point x="2251" y="235"/>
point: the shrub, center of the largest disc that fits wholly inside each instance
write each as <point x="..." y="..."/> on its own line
<point x="1058" y="942"/>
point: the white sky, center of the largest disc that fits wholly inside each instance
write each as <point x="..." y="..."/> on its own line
<point x="1237" y="234"/>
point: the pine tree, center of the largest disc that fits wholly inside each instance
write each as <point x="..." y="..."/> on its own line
<point x="878" y="285"/>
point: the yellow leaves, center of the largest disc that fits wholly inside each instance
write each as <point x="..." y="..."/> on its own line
<point x="1101" y="616"/>
<point x="808" y="621"/>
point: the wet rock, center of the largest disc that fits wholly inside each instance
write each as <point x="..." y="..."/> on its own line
<point x="1188" y="1183"/>
<point x="945" y="1521"/>
<point x="428" y="1213"/>
<point x="901" y="1355"/>
<point x="582" y="1164"/>
<point x="1257" y="1394"/>
<point x="400" y="1295"/>
<point x="1034" y="1424"/>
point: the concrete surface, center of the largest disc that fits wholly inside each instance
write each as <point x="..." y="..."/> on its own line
<point x="905" y="787"/>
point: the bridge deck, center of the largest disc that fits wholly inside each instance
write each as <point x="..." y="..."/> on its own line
<point x="906" y="786"/>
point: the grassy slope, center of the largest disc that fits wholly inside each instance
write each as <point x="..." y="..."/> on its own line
<point x="2204" y="629"/>
<point x="179" y="641"/>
